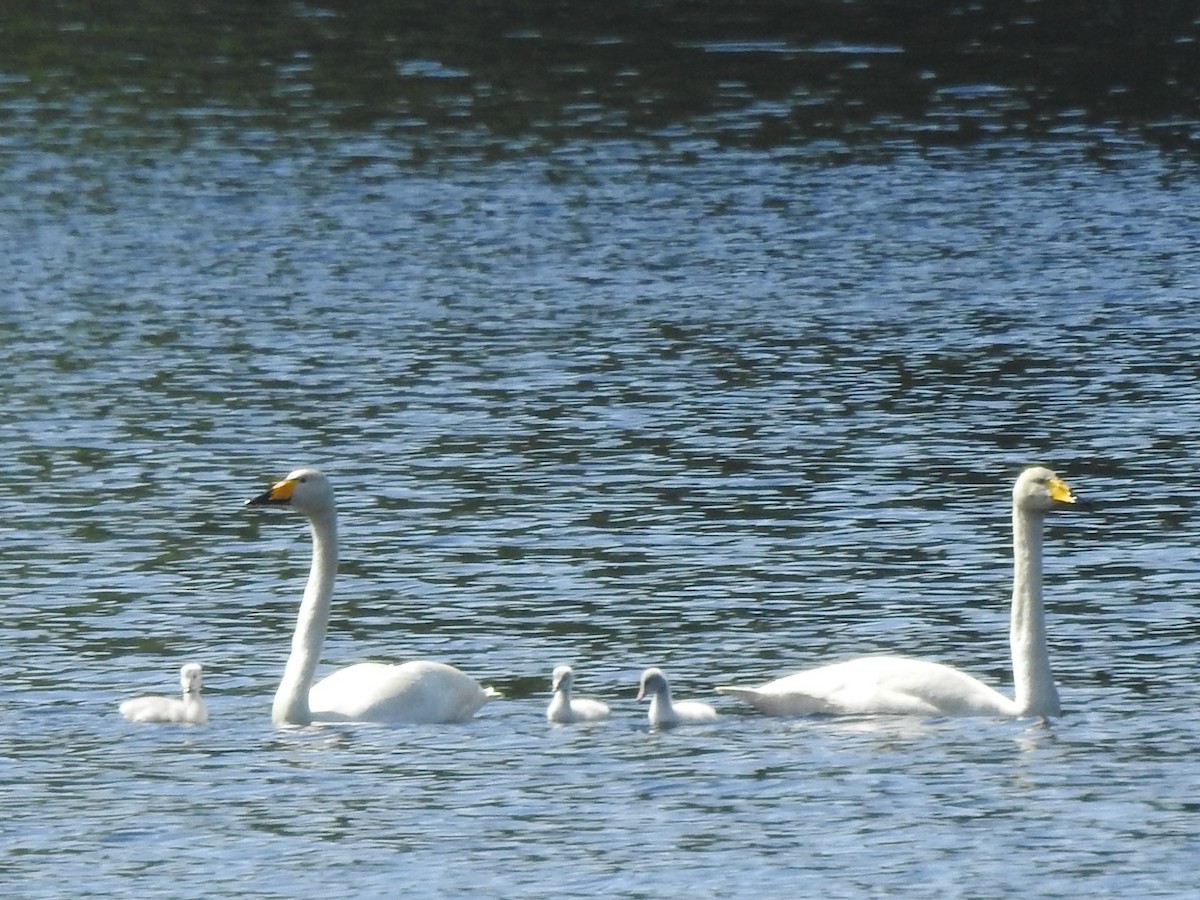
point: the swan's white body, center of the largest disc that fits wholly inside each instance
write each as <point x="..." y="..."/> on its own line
<point x="414" y="692"/>
<point x="189" y="710"/>
<point x="899" y="685"/>
<point x="663" y="711"/>
<point x="566" y="709"/>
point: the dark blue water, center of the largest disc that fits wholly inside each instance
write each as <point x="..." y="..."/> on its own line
<point x="728" y="410"/>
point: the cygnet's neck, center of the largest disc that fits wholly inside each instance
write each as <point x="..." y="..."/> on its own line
<point x="1035" y="692"/>
<point x="660" y="704"/>
<point x="291" y="699"/>
<point x="560" y="706"/>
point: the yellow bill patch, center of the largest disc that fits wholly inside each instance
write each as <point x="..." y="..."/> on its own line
<point x="282" y="491"/>
<point x="1060" y="492"/>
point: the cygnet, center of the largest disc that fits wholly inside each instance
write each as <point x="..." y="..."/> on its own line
<point x="167" y="709"/>
<point x="662" y="711"/>
<point x="565" y="709"/>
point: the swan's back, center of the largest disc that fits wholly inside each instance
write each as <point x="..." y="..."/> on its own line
<point x="886" y="685"/>
<point x="565" y="710"/>
<point x="165" y="710"/>
<point x="683" y="712"/>
<point x="419" y="692"/>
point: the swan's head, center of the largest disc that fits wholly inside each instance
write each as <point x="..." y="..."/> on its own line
<point x="1040" y="489"/>
<point x="306" y="490"/>
<point x="191" y="678"/>
<point x="562" y="678"/>
<point x="654" y="683"/>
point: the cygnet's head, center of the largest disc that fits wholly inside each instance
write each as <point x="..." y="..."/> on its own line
<point x="191" y="678"/>
<point x="1039" y="489"/>
<point x="654" y="682"/>
<point x="563" y="678"/>
<point x="306" y="490"/>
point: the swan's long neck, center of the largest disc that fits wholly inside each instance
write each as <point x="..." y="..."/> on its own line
<point x="1036" y="694"/>
<point x="291" y="700"/>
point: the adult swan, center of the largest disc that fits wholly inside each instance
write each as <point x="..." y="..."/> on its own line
<point x="900" y="685"/>
<point x="416" y="692"/>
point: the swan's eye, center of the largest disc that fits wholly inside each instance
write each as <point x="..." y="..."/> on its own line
<point x="303" y="479"/>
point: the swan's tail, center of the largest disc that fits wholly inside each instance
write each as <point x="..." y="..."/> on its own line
<point x="793" y="703"/>
<point x="491" y="693"/>
<point x="747" y="695"/>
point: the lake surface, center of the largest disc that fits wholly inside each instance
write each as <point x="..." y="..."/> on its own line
<point x="617" y="392"/>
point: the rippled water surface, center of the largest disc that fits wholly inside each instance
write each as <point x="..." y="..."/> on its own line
<point x="728" y="410"/>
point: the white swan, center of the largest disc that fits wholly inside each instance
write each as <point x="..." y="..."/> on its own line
<point x="662" y="710"/>
<point x="415" y="692"/>
<point x="167" y="709"/>
<point x="566" y="709"/>
<point x="902" y="686"/>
